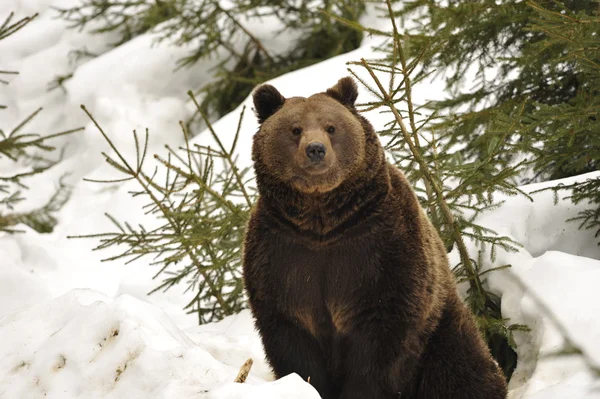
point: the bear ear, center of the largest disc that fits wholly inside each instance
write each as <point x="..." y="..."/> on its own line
<point x="267" y="100"/>
<point x="345" y="91"/>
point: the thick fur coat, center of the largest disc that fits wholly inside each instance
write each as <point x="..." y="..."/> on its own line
<point x="347" y="279"/>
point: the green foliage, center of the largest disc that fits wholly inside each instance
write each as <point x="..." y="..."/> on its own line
<point x="203" y="201"/>
<point x="24" y="151"/>
<point x="536" y="67"/>
<point x="208" y="27"/>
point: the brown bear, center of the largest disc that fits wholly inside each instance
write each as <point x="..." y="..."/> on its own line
<point x="347" y="279"/>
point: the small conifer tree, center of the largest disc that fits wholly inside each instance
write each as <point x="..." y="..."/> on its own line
<point x="203" y="202"/>
<point x="25" y="151"/>
<point x="535" y="65"/>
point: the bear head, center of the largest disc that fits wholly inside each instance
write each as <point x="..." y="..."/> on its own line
<point x="312" y="144"/>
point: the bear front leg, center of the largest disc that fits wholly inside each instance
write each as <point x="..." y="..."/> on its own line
<point x="291" y="349"/>
<point x="382" y="357"/>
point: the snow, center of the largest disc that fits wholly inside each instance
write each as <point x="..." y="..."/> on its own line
<point x="552" y="278"/>
<point x="87" y="345"/>
<point x="60" y="306"/>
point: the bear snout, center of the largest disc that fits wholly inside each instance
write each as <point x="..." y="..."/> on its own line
<point x="316" y="151"/>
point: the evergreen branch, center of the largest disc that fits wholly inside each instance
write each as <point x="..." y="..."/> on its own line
<point x="7" y="30"/>
<point x="15" y="146"/>
<point x="449" y="218"/>
<point x="226" y="154"/>
<point x="11" y="199"/>
<point x="137" y="174"/>
<point x="494" y="152"/>
<point x="355" y="25"/>
<point x="399" y="52"/>
<point x="17" y="177"/>
<point x="491" y="269"/>
<point x="199" y="181"/>
<point x="543" y="10"/>
<point x="253" y="38"/>
<point x="42" y="219"/>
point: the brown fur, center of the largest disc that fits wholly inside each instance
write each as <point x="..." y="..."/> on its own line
<point x="347" y="279"/>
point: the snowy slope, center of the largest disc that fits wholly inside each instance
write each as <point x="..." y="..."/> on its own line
<point x="60" y="306"/>
<point x="86" y="345"/>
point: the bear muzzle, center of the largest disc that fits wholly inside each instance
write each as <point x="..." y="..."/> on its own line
<point x="316" y="151"/>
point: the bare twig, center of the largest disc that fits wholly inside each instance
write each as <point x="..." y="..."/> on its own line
<point x="399" y="52"/>
<point x="244" y="371"/>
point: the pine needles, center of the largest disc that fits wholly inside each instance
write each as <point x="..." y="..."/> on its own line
<point x="202" y="200"/>
<point x="532" y="65"/>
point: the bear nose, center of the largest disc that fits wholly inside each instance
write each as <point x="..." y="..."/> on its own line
<point x="316" y="151"/>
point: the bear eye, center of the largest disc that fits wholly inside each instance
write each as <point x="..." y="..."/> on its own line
<point x="296" y="131"/>
<point x="330" y="130"/>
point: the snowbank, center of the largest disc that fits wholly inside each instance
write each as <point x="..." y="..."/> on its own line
<point x="86" y="345"/>
<point x="552" y="279"/>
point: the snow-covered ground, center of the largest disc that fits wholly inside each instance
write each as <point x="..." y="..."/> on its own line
<point x="72" y="326"/>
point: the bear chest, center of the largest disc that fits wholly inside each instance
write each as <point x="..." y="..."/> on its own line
<point x="318" y="287"/>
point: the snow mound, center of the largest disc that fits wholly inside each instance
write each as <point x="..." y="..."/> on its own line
<point x="538" y="292"/>
<point x="86" y="345"/>
<point x="552" y="279"/>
